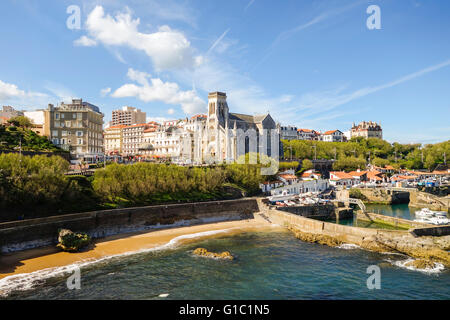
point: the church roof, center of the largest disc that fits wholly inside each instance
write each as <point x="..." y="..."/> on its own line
<point x="247" y="118"/>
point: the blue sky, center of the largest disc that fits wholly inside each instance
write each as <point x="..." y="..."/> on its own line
<point x="313" y="64"/>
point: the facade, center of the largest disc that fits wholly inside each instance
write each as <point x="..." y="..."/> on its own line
<point x="288" y="133"/>
<point x="302" y="187"/>
<point x="76" y="127"/>
<point x="341" y="178"/>
<point x="332" y="136"/>
<point x="113" y="137"/>
<point x="219" y="139"/>
<point x="127" y="116"/>
<point x="10" y="112"/>
<point x="367" y="129"/>
<point x="307" y="134"/>
<point x="133" y="138"/>
<point x="38" y="119"/>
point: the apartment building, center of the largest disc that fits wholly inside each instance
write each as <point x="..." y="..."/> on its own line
<point x="307" y="134"/>
<point x="127" y="116"/>
<point x="113" y="137"/>
<point x="133" y="138"/>
<point x="76" y="127"/>
<point x="10" y="112"/>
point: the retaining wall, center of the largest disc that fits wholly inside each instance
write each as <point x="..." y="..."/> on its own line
<point x="26" y="234"/>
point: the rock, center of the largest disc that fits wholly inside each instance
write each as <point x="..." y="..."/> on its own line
<point x="205" y="253"/>
<point x="421" y="264"/>
<point x="317" y="238"/>
<point x="72" y="242"/>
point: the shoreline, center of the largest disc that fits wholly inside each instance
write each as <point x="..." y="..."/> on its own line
<point x="50" y="257"/>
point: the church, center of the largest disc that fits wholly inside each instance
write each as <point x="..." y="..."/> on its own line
<point x="225" y="136"/>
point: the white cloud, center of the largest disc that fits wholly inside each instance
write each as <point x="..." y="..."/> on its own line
<point x="84" y="41"/>
<point x="171" y="111"/>
<point x="10" y="93"/>
<point x="154" y="89"/>
<point x="157" y="119"/>
<point x="167" y="48"/>
<point x="105" y="91"/>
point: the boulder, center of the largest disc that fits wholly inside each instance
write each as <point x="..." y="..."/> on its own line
<point x="205" y="253"/>
<point x="72" y="241"/>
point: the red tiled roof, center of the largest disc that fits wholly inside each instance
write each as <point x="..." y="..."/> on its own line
<point x="341" y="175"/>
<point x="357" y="173"/>
<point x="288" y="176"/>
<point x="308" y="174"/>
<point x="330" y="131"/>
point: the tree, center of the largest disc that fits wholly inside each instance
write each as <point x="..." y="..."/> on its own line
<point x="20" y="121"/>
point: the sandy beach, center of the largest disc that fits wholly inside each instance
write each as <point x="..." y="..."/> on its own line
<point x="51" y="257"/>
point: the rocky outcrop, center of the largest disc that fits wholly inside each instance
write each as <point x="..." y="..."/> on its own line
<point x="205" y="253"/>
<point x="420" y="264"/>
<point x="72" y="242"/>
<point x="316" y="238"/>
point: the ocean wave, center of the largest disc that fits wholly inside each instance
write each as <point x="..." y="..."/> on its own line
<point x="348" y="246"/>
<point x="438" y="267"/>
<point x="28" y="281"/>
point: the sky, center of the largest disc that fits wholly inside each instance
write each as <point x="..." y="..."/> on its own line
<point x="311" y="64"/>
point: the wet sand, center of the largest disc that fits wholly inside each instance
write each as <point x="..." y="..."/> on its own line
<point x="51" y="257"/>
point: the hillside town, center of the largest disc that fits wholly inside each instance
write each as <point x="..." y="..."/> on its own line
<point x="78" y="127"/>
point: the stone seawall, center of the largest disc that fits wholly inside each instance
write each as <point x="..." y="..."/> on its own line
<point x="429" y="248"/>
<point x="321" y="212"/>
<point x="386" y="196"/>
<point x="32" y="233"/>
<point x="402" y="223"/>
<point x="421" y="199"/>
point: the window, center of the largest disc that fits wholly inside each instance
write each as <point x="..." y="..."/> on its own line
<point x="56" y="123"/>
<point x="79" y="116"/>
<point x="79" y="133"/>
<point x="64" y="133"/>
<point x="68" y="124"/>
<point x="74" y="115"/>
<point x="55" y="141"/>
<point x="55" y="133"/>
<point x="62" y="115"/>
<point x="80" y="141"/>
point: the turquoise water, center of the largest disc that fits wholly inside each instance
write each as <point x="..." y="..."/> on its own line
<point x="268" y="265"/>
<point x="396" y="210"/>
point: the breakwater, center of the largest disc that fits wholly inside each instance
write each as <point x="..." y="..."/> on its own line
<point x="329" y="211"/>
<point x="427" y="247"/>
<point x="32" y="233"/>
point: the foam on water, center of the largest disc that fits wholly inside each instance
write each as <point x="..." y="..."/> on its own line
<point x="348" y="246"/>
<point x="28" y="281"/>
<point x="438" y="267"/>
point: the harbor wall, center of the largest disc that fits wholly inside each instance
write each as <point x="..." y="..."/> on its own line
<point x="320" y="211"/>
<point x="386" y="196"/>
<point x="421" y="199"/>
<point x="369" y="216"/>
<point x="32" y="233"/>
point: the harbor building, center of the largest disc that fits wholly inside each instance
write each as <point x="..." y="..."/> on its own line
<point x="113" y="137"/>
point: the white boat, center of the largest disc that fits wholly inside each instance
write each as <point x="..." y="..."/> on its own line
<point x="440" y="214"/>
<point x="423" y="220"/>
<point x="281" y="197"/>
<point x="425" y="213"/>
<point x="440" y="220"/>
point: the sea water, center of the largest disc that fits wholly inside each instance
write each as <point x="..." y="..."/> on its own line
<point x="267" y="265"/>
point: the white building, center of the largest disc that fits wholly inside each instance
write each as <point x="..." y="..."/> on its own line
<point x="288" y="133"/>
<point x="302" y="187"/>
<point x="332" y="136"/>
